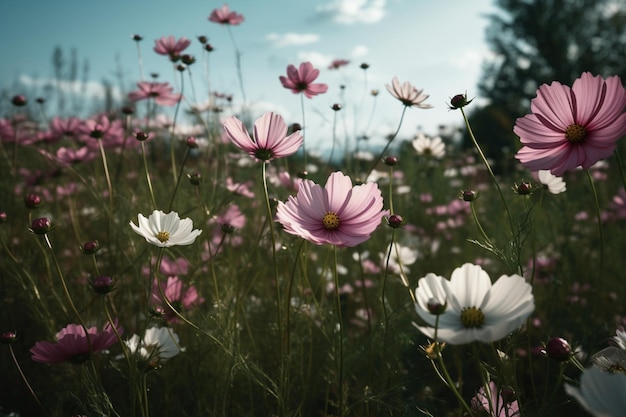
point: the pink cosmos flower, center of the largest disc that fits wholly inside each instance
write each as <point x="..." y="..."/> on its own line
<point x="224" y="16"/>
<point x="338" y="214"/>
<point x="109" y="131"/>
<point x="180" y="298"/>
<point x="65" y="127"/>
<point x="572" y="127"/>
<point x="408" y="94"/>
<point x="301" y="80"/>
<point x="162" y="93"/>
<point x="493" y="403"/>
<point x="269" y="140"/>
<point x="73" y="345"/>
<point x="338" y="63"/>
<point x="170" y="46"/>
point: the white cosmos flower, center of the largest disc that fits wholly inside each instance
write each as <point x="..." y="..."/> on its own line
<point x="165" y="230"/>
<point x="433" y="147"/>
<point x="555" y="184"/>
<point x="601" y="393"/>
<point x="475" y="310"/>
<point x="158" y="344"/>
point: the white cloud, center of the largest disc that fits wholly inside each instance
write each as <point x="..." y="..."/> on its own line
<point x="291" y="39"/>
<point x="318" y="59"/>
<point x="89" y="89"/>
<point x="354" y="11"/>
<point x="472" y="59"/>
<point x="359" y="51"/>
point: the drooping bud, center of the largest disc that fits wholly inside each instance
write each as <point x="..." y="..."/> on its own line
<point x="390" y="161"/>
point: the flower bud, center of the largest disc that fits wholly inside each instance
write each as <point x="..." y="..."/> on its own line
<point x="303" y="174"/>
<point x="227" y="228"/>
<point x="203" y="39"/>
<point x="364" y="65"/>
<point x="558" y="349"/>
<point x="91" y="247"/>
<point x="508" y="394"/>
<point x="19" y="101"/>
<point x="97" y="133"/>
<point x="40" y="226"/>
<point x="102" y="285"/>
<point x="391" y="161"/>
<point x="469" y="195"/>
<point x="181" y="67"/>
<point x="32" y="201"/>
<point x="3" y="216"/>
<point x="458" y="101"/>
<point x="128" y="110"/>
<point x="8" y="337"/>
<point x="137" y="38"/>
<point x="194" y="178"/>
<point x="435" y="307"/>
<point x="141" y="136"/>
<point x="524" y="188"/>
<point x="191" y="142"/>
<point x="395" y="221"/>
<point x="336" y="107"/>
<point x="188" y="59"/>
<point x="40" y="100"/>
<point x="208" y="47"/>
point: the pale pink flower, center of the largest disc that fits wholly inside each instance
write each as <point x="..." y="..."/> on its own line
<point x="181" y="298"/>
<point x="170" y="46"/>
<point x="301" y="80"/>
<point x="109" y="131"/>
<point x="269" y="140"/>
<point x="338" y="63"/>
<point x="338" y="214"/>
<point x="224" y="16"/>
<point x="572" y="127"/>
<point x="69" y="127"/>
<point x="73" y="344"/>
<point x="408" y="94"/>
<point x="493" y="403"/>
<point x="162" y="93"/>
<point x="617" y="206"/>
<point x="240" y="188"/>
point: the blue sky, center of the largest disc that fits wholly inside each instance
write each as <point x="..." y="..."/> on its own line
<point x="437" y="46"/>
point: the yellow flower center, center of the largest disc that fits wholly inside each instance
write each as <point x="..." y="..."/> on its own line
<point x="163" y="236"/>
<point x="331" y="221"/>
<point x="575" y="133"/>
<point x="472" y="317"/>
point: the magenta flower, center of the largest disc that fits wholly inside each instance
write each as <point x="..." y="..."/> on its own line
<point x="338" y="63"/>
<point x="162" y="93"/>
<point x="269" y="140"/>
<point x="338" y="214"/>
<point x="73" y="345"/>
<point x="181" y="298"/>
<point x="109" y="131"/>
<point x="572" y="127"/>
<point x="170" y="46"/>
<point x="301" y="80"/>
<point x="224" y="16"/>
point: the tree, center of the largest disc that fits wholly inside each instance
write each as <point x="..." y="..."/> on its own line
<point x="540" y="41"/>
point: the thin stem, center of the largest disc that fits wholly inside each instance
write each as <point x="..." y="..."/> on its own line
<point x="19" y="369"/>
<point x="382" y="153"/>
<point x="180" y="174"/>
<point x="340" y="324"/>
<point x="303" y="132"/>
<point x="495" y="181"/>
<point x="599" y="219"/>
<point x="106" y="174"/>
<point x="145" y="168"/>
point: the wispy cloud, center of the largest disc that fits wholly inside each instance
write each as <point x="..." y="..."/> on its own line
<point x="292" y="39"/>
<point x="353" y="11"/>
<point x="89" y="89"/>
<point x="359" y="51"/>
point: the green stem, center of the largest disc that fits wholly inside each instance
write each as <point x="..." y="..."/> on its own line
<point x="340" y="323"/>
<point x="599" y="219"/>
<point x="382" y="153"/>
